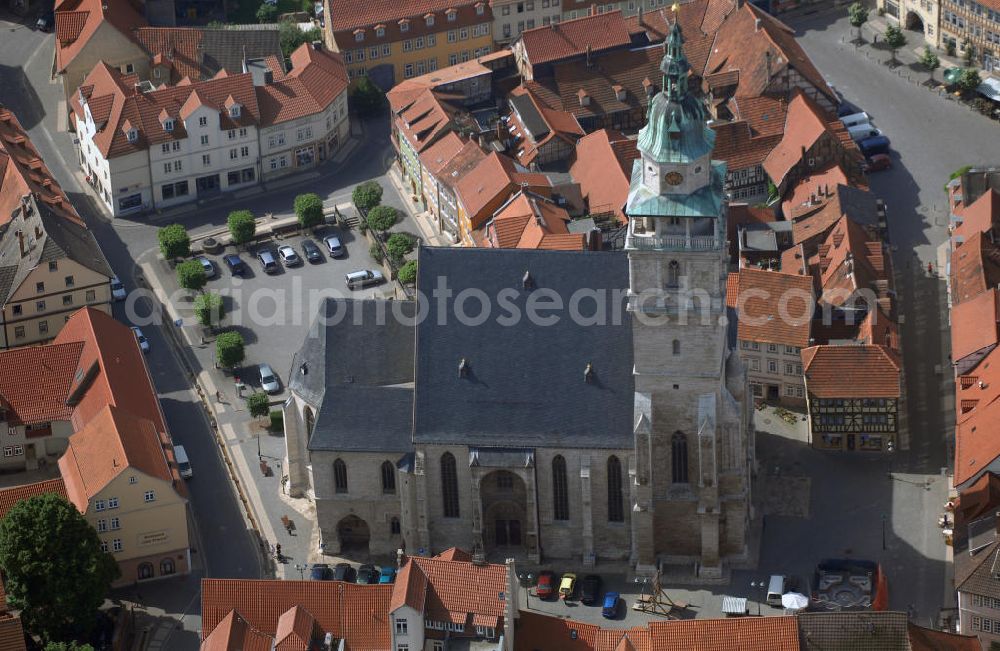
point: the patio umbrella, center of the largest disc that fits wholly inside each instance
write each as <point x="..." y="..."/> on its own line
<point x="952" y="75"/>
<point x="794" y="601"/>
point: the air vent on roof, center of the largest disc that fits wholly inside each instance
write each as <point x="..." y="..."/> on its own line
<point x="588" y="373"/>
<point x="463" y="368"/>
<point x="527" y="281"/>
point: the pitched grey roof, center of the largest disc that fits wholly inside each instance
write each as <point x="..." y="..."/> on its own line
<point x="48" y="237"/>
<point x="354" y="342"/>
<point x="525" y="382"/>
<point x="357" y="418"/>
<point x="982" y="580"/>
<point x="226" y="48"/>
<point x="854" y="631"/>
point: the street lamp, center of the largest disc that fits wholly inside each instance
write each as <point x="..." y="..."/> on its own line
<point x="883" y="531"/>
<point x="890" y="448"/>
<point x="758" y="584"/>
<point x="302" y="570"/>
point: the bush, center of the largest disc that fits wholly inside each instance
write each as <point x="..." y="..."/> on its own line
<point x="266" y="13"/>
<point x="408" y="273"/>
<point x="970" y="80"/>
<point x="309" y="209"/>
<point x="367" y="195"/>
<point x="258" y="404"/>
<point x="191" y="275"/>
<point x="291" y="37"/>
<point x="895" y="39"/>
<point x="398" y="245"/>
<point x="949" y="48"/>
<point x="382" y="218"/>
<point x="375" y="251"/>
<point x="229" y="352"/>
<point x="983" y="105"/>
<point x="242" y="226"/>
<point x="277" y="421"/>
<point x="208" y="309"/>
<point x="366" y="98"/>
<point x="174" y="241"/>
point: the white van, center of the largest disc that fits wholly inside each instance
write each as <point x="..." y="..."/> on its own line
<point x="776" y="588"/>
<point x="183" y="463"/>
<point x="854" y="119"/>
<point x="863" y="132"/>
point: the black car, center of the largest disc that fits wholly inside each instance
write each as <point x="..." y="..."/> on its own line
<point x="321" y="572"/>
<point x="847" y="108"/>
<point x="45" y="22"/>
<point x="311" y="251"/>
<point x="590" y="589"/>
<point x="344" y="572"/>
<point x="368" y="574"/>
<point x="236" y="266"/>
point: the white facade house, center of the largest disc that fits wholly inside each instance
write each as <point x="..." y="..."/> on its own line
<point x="146" y="148"/>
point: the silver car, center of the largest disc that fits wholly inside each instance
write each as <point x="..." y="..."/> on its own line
<point x="207" y="265"/>
<point x="141" y="339"/>
<point x="117" y="289"/>
<point x="268" y="380"/>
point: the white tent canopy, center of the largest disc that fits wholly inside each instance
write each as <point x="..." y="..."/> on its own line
<point x="990" y="88"/>
<point x="794" y="601"/>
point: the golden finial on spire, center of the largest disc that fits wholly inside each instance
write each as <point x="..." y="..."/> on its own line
<point x="675" y="7"/>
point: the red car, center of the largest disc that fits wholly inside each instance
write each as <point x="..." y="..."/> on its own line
<point x="546" y="585"/>
<point x="877" y="163"/>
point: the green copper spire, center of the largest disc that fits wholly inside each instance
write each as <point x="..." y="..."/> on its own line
<point x="675" y="66"/>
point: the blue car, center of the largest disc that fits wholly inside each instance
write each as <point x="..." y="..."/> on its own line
<point x="387" y="574"/>
<point x="610" y="609"/>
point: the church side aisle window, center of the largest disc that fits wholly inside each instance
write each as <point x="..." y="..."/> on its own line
<point x="388" y="478"/>
<point x="339" y="476"/>
<point x="679" y="458"/>
<point x="616" y="511"/>
<point x="449" y="485"/>
<point x="560" y="496"/>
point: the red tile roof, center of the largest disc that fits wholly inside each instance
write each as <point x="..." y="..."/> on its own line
<point x="850" y="372"/>
<point x="773" y="307"/>
<point x="358" y="614"/>
<point x="975" y="325"/>
<point x="425" y="119"/>
<point x="436" y="157"/>
<point x="558" y="124"/>
<point x="736" y="145"/>
<point x="11" y="496"/>
<point x="979" y="217"/>
<point x="572" y="38"/>
<point x="603" y="168"/>
<point x="765" y="114"/>
<point x="492" y="181"/>
<point x="528" y="221"/>
<point x="975" y="267"/>
<point x="851" y="260"/>
<point x="295" y="631"/>
<point x="348" y="15"/>
<point x="451" y="590"/>
<point x="38" y="396"/>
<point x="699" y="20"/>
<point x="812" y="191"/>
<point x="181" y="46"/>
<point x="926" y="639"/>
<point x="234" y="633"/>
<point x="11" y="634"/>
<point x="805" y="124"/>
<point x="976" y="442"/>
<point x="403" y="93"/>
<point x="77" y="21"/>
<point x="321" y="72"/>
<point x="22" y="171"/>
<point x="454" y="554"/>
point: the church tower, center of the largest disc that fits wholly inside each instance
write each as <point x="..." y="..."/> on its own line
<point x="691" y="486"/>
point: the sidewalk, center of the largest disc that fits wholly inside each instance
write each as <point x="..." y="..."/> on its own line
<point x="428" y="232"/>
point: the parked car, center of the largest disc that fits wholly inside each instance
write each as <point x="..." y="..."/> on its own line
<point x="847" y="108"/>
<point x="363" y="278"/>
<point x="877" y="163"/>
<point x="236" y="265"/>
<point x="268" y="380"/>
<point x="567" y="586"/>
<point x="267" y="262"/>
<point x="45" y="22"/>
<point x="368" y="574"/>
<point x="141" y="338"/>
<point x="862" y="131"/>
<point x="311" y="251"/>
<point x="321" y="572"/>
<point x="610" y="608"/>
<point x="344" y="572"/>
<point x="288" y="256"/>
<point x="546" y="586"/>
<point x="334" y="246"/>
<point x="871" y="146"/>
<point x="207" y="265"/>
<point x="590" y="589"/>
<point x="118" y="292"/>
<point x="387" y="574"/>
<point x="855" y="119"/>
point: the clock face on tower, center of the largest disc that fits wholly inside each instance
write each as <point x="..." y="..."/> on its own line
<point x="673" y="178"/>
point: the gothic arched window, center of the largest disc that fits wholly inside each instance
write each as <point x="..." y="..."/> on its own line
<point x="560" y="496"/>
<point x="339" y="476"/>
<point x="677" y="346"/>
<point x="616" y="508"/>
<point x="679" y="458"/>
<point x="673" y="274"/>
<point x="449" y="485"/>
<point x="388" y="478"/>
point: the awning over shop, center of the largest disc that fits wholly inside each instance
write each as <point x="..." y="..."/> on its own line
<point x="990" y="88"/>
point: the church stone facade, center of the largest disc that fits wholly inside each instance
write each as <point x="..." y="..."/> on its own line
<point x="611" y="426"/>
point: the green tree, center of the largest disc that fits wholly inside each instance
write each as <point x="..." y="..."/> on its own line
<point x="930" y="61"/>
<point x="242" y="226"/>
<point x="407" y="274"/>
<point x="367" y="195"/>
<point x="54" y="570"/>
<point x="191" y="275"/>
<point x="174" y="241"/>
<point x="266" y="13"/>
<point x="208" y="309"/>
<point x="381" y="218"/>
<point x="229" y="351"/>
<point x="969" y="52"/>
<point x="367" y="99"/>
<point x="258" y="404"/>
<point x="970" y="80"/>
<point x="398" y="245"/>
<point x="291" y="37"/>
<point x="895" y="39"/>
<point x="70" y="646"/>
<point x="309" y="209"/>
<point x="858" y="15"/>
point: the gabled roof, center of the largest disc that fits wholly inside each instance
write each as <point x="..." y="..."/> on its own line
<point x="234" y="633"/>
<point x="77" y="21"/>
<point x="736" y="145"/>
<point x="975" y="267"/>
<point x="424" y="120"/>
<point x="927" y="639"/>
<point x="976" y="442"/>
<point x="812" y="191"/>
<point x="354" y="14"/>
<point x="975" y="328"/>
<point x="449" y="590"/>
<point x="12" y="634"/>
<point x="403" y="93"/>
<point x="572" y="38"/>
<point x="851" y="372"/>
<point x="204" y="52"/>
<point x="699" y="22"/>
<point x="436" y="157"/>
<point x="529" y="221"/>
<point x="765" y="298"/>
<point x="850" y="260"/>
<point x="603" y="168"/>
<point x="980" y="217"/>
<point x="805" y="123"/>
<point x="858" y="205"/>
<point x="295" y="630"/>
<point x="534" y="124"/>
<point x="11" y="496"/>
<point x="35" y="382"/>
<point x="492" y="179"/>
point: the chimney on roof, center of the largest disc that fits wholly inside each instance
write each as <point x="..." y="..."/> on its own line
<point x="38" y="231"/>
<point x="756" y="24"/>
<point x="588" y="373"/>
<point x="849" y="263"/>
<point x="527" y="282"/>
<point x="641" y="17"/>
<point x="317" y="45"/>
<point x="767" y="62"/>
<point x="268" y="77"/>
<point x="593" y="10"/>
<point x="463" y="368"/>
<point x="595" y="241"/>
<point x="589" y="63"/>
<point x="812" y="198"/>
<point x="20" y="243"/>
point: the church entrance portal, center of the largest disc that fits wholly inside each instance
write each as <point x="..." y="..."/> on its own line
<point x="354" y="535"/>
<point x="914" y="22"/>
<point x="505" y="510"/>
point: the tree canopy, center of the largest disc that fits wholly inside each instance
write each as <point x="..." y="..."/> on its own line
<point x="309" y="209"/>
<point x="229" y="349"/>
<point x="398" y="245"/>
<point x="895" y="39"/>
<point x="407" y="274"/>
<point x="367" y="99"/>
<point x="291" y="37"/>
<point x="191" y="275"/>
<point x="242" y="226"/>
<point x="930" y="60"/>
<point x="970" y="80"/>
<point x="208" y="309"/>
<point x="258" y="404"/>
<point x="54" y="570"/>
<point x="381" y="218"/>
<point x="174" y="241"/>
<point x="857" y="13"/>
<point x="367" y="195"/>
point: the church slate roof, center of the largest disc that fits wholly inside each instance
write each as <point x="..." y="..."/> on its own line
<point x="350" y="343"/>
<point x="346" y="421"/>
<point x="525" y="382"/>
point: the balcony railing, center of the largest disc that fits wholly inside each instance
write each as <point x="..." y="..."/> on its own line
<point x="673" y="242"/>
